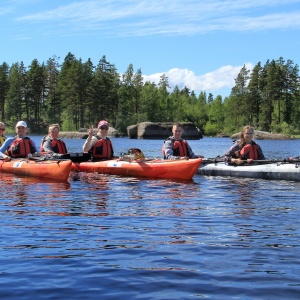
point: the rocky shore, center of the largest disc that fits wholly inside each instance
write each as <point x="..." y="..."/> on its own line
<point x="263" y="135"/>
<point x="83" y="133"/>
<point x="149" y="130"/>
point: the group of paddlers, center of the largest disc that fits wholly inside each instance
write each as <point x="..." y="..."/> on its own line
<point x="100" y="146"/>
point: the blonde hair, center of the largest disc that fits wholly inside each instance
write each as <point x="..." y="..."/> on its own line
<point x="53" y="126"/>
<point x="242" y="140"/>
<point x="1" y="123"/>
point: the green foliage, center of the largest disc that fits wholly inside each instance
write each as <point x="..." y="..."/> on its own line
<point x="77" y="94"/>
<point x="16" y="98"/>
<point x="211" y="129"/>
<point x="283" y="128"/>
<point x="4" y="86"/>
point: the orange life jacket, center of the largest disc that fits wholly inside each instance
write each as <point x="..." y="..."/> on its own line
<point x="249" y="151"/>
<point x="21" y="147"/>
<point x="58" y="146"/>
<point x="102" y="149"/>
<point x="180" y="148"/>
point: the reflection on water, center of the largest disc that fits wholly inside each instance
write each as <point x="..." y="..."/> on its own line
<point x="17" y="190"/>
<point x="114" y="237"/>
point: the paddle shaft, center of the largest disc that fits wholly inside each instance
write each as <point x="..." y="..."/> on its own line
<point x="263" y="161"/>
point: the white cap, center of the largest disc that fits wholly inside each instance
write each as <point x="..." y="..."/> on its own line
<point x="21" y="123"/>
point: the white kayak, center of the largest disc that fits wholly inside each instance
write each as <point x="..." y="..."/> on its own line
<point x="271" y="170"/>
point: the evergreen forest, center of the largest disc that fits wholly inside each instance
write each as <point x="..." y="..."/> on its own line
<point x="77" y="94"/>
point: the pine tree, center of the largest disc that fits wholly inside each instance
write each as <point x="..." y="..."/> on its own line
<point x="4" y="86"/>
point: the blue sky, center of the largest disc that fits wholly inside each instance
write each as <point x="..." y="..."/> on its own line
<point x="201" y="44"/>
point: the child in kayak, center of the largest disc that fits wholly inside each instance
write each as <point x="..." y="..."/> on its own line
<point x="244" y="149"/>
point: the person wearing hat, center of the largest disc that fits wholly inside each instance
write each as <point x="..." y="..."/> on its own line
<point x="18" y="146"/>
<point x="99" y="146"/>
<point x="2" y="137"/>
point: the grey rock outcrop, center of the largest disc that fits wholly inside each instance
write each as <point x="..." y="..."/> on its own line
<point x="264" y="135"/>
<point x="83" y="133"/>
<point x="160" y="130"/>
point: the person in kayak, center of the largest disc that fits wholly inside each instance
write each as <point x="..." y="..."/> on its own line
<point x="52" y="143"/>
<point x="99" y="146"/>
<point x="2" y="137"/>
<point x="175" y="147"/>
<point x="244" y="149"/>
<point x="18" y="146"/>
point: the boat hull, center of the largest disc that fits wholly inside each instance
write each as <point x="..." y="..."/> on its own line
<point x="276" y="171"/>
<point x="166" y="169"/>
<point x="51" y="169"/>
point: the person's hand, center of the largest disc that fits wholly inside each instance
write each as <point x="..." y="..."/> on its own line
<point x="237" y="161"/>
<point x="91" y="131"/>
<point x="249" y="160"/>
<point x="7" y="158"/>
<point x="184" y="158"/>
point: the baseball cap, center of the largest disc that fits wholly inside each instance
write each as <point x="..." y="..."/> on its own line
<point x="21" y="123"/>
<point x="103" y="123"/>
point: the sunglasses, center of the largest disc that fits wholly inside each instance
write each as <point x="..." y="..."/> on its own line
<point x="104" y="127"/>
<point x="2" y="129"/>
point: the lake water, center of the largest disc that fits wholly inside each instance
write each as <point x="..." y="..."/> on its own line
<point x="109" y="237"/>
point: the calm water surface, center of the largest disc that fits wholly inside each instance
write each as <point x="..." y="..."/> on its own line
<point x="109" y="237"/>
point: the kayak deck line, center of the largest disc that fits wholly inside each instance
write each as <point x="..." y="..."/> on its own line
<point x="276" y="170"/>
<point x="153" y="168"/>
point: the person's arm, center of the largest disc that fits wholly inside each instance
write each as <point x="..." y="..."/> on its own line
<point x="168" y="147"/>
<point x="4" y="147"/>
<point x="47" y="146"/>
<point x="89" y="143"/>
<point x="230" y="155"/>
<point x="6" y="144"/>
<point x="260" y="153"/>
<point x="4" y="157"/>
<point x="191" y="153"/>
<point x="113" y="152"/>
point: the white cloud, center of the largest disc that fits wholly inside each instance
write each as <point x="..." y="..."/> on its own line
<point x="221" y="78"/>
<point x="169" y="17"/>
<point x="5" y="10"/>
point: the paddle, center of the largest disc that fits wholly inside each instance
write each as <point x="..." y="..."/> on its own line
<point x="263" y="161"/>
<point x="75" y="157"/>
<point x="36" y="158"/>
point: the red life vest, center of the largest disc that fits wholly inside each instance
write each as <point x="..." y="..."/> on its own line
<point x="21" y="147"/>
<point x="180" y="148"/>
<point x="249" y="151"/>
<point x="58" y="146"/>
<point x="102" y="149"/>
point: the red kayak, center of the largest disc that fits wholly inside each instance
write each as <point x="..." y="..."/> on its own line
<point x="150" y="168"/>
<point x="51" y="169"/>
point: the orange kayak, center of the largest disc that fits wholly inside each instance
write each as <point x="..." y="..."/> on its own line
<point x="51" y="169"/>
<point x="155" y="168"/>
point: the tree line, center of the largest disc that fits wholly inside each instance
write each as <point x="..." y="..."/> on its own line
<point x="76" y="94"/>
